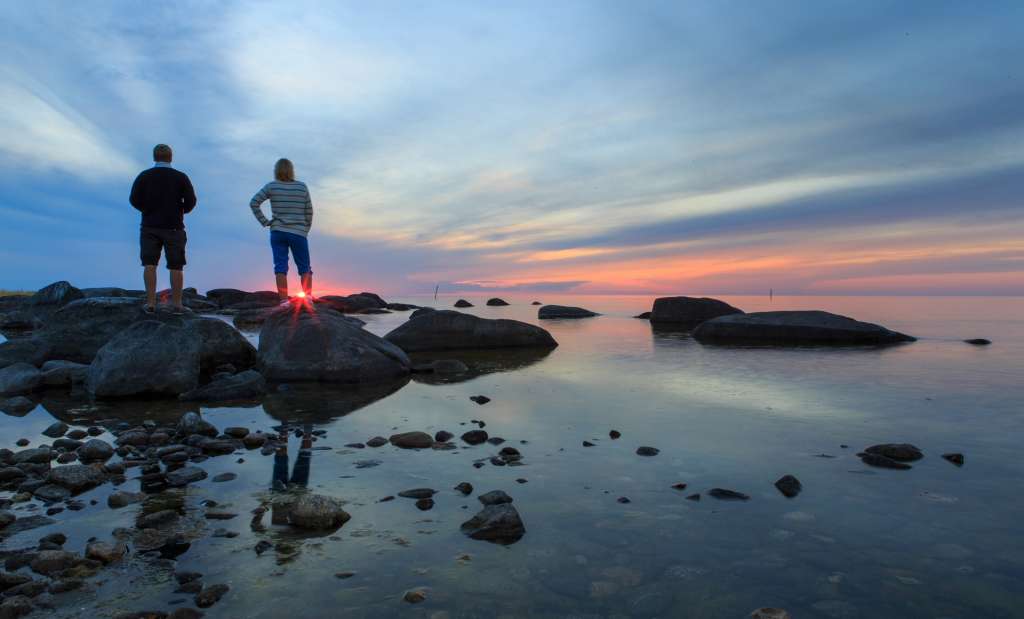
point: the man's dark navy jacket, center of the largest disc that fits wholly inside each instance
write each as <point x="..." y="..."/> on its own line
<point x="163" y="195"/>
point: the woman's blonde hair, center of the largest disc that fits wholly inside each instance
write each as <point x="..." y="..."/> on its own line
<point x="284" y="170"/>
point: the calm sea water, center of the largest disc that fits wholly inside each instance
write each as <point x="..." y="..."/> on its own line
<point x="934" y="541"/>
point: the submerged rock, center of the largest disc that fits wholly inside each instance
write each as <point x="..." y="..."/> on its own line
<point x="210" y="595"/>
<point x="326" y="346"/>
<point x="18" y="405"/>
<point x="795" y="328"/>
<point x="450" y="330"/>
<point x="147" y="358"/>
<point x="647" y="451"/>
<point x="882" y="461"/>
<point x="789" y="486"/>
<point x="563" y="311"/>
<point x="728" y="495"/>
<point x="769" y="613"/>
<point x="498" y="524"/>
<point x="955" y="458"/>
<point x="494" y="497"/>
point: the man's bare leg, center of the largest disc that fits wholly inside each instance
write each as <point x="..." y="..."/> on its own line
<point x="282" y="285"/>
<point x="177" y="283"/>
<point x="149" y="277"/>
<point x="307" y="284"/>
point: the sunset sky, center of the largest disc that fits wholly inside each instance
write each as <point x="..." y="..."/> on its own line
<point x="597" y="147"/>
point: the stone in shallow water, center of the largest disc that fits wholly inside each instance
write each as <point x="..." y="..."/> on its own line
<point x="769" y="613"/>
<point x="56" y="429"/>
<point x="377" y="441"/>
<point x="316" y="511"/>
<point x="901" y="452"/>
<point x="211" y="595"/>
<point x="185" y="476"/>
<point x="498" y="524"/>
<point x="882" y="461"/>
<point x="418" y="493"/>
<point x="955" y="458"/>
<point x="727" y="495"/>
<point x="789" y="486"/>
<point x="475" y="437"/>
<point x="494" y="497"/>
<point x="480" y="399"/>
<point x="465" y="488"/>
<point x="412" y="440"/>
<point x="647" y="451"/>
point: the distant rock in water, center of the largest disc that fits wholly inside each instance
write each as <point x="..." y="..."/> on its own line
<point x="643" y="316"/>
<point x="420" y="311"/>
<point x="499" y="524"/>
<point x="794" y="329"/>
<point x="724" y="494"/>
<point x="979" y="341"/>
<point x="363" y="302"/>
<point x="451" y="330"/>
<point x="955" y="458"/>
<point x="463" y="303"/>
<point x="496" y="302"/>
<point x="789" y="486"/>
<point x="322" y="345"/>
<point x="769" y="613"/>
<point x="562" y="311"/>
<point x="536" y="303"/>
<point x="689" y="311"/>
<point x="901" y="452"/>
<point x="882" y="462"/>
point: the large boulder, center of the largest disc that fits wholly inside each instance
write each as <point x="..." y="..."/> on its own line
<point x="57" y="294"/>
<point x="353" y="303"/>
<point x="147" y="358"/>
<point x="23" y="350"/>
<point x="221" y="344"/>
<point x="227" y="296"/>
<point x="794" y="328"/>
<point x="322" y="345"/>
<point x="76" y="477"/>
<point x="78" y="330"/>
<point x="689" y="311"/>
<point x="242" y="386"/>
<point x="451" y="330"/>
<point x="564" y="311"/>
<point x="20" y="378"/>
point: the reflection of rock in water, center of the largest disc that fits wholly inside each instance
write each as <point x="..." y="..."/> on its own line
<point x="480" y="362"/>
<point x="323" y="402"/>
<point x="76" y="407"/>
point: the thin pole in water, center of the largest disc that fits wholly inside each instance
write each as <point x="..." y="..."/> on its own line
<point x="435" y="291"/>
<point x="771" y="294"/>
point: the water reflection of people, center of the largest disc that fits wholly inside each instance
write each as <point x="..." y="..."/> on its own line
<point x="300" y="472"/>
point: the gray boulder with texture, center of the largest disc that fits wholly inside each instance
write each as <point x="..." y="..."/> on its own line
<point x="689" y="311"/>
<point x="222" y="344"/>
<point x="147" y="358"/>
<point x="60" y="373"/>
<point x="317" y="512"/>
<point x="499" y="524"/>
<point x="56" y="294"/>
<point x="76" y="477"/>
<point x="795" y="328"/>
<point x="78" y="330"/>
<point x="20" y="378"/>
<point x="244" y="385"/>
<point x="451" y="330"/>
<point x="564" y="311"/>
<point x="319" y="345"/>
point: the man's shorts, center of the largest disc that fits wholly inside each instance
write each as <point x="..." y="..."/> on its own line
<point x="172" y="242"/>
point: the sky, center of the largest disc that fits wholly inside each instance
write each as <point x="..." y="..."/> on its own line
<point x="700" y="147"/>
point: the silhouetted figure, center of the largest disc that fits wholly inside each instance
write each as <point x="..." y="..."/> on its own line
<point x="291" y="211"/>
<point x="163" y="195"/>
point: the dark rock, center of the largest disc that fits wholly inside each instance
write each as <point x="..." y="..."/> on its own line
<point x="212" y="514"/>
<point x="262" y="546"/>
<point x="18" y="405"/>
<point x="94" y="450"/>
<point x="901" y="452"/>
<point x="465" y="488"/>
<point x="254" y="440"/>
<point x="355" y="445"/>
<point x="57" y="294"/>
<point x="315" y="511"/>
<point x="980" y="341"/>
<point x="475" y="437"/>
<point x="48" y="562"/>
<point x="412" y="440"/>
<point x="192" y="423"/>
<point x="955" y="458"/>
<point x="66" y="584"/>
<point x="415" y="596"/>
<point x="418" y="493"/>
<point x="377" y="441"/>
<point x="11" y="579"/>
<point x="494" y="497"/>
<point x="643" y="316"/>
<point x="495" y="440"/>
<point x="210" y="595"/>
<point x="443" y="436"/>
<point x="562" y="311"/>
<point x="496" y="302"/>
<point x="463" y="303"/>
<point x="56" y="429"/>
<point x="77" y="477"/>
<point x="499" y="524"/>
<point x="647" y="451"/>
<point x="450" y="330"/>
<point x="614" y="434"/>
<point x="156" y="519"/>
<point x="146" y="358"/>
<point x="623" y="499"/>
<point x="185" y="613"/>
<point x="789" y="486"/>
<point x="242" y="386"/>
<point x="587" y="444"/>
<point x="510" y="453"/>
<point x="78" y="330"/>
<point x="480" y="399"/>
<point x="58" y="373"/>
<point x="17" y="606"/>
<point x="794" y="328"/>
<point x="222" y="477"/>
<point x="424" y="504"/>
<point x="221" y="344"/>
<point x="728" y="495"/>
<point x="326" y="346"/>
<point x="36" y="455"/>
<point x="679" y="486"/>
<point x="689" y="311"/>
<point x="237" y="432"/>
<point x="20" y="378"/>
<point x="7" y="517"/>
<point x="497" y="461"/>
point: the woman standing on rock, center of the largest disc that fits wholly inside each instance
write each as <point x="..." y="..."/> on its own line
<point x="291" y="218"/>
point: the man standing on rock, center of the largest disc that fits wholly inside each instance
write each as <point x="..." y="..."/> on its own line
<point x="163" y="195"/>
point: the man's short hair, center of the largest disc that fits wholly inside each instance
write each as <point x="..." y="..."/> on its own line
<point x="162" y="153"/>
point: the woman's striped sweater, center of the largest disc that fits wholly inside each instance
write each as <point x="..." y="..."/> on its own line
<point x="291" y="209"/>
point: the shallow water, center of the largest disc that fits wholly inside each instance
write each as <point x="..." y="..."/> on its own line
<point x="935" y="541"/>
